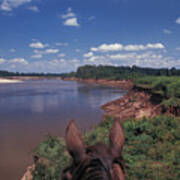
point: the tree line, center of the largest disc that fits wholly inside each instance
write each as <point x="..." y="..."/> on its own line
<point x="9" y="74"/>
<point x="119" y="72"/>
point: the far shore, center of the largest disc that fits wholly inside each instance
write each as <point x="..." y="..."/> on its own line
<point x="4" y="81"/>
<point x="123" y="84"/>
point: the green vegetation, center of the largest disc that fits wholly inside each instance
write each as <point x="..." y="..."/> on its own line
<point x="53" y="159"/>
<point x="151" y="151"/>
<point x="118" y="73"/>
<point x="9" y="74"/>
<point x="167" y="87"/>
<point x="104" y="72"/>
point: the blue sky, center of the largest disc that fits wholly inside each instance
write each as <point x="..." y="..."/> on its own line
<point x="60" y="35"/>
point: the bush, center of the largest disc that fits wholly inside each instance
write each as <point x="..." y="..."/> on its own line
<point x="53" y="158"/>
<point x="151" y="151"/>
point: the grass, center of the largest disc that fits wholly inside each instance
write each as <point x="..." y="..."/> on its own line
<point x="151" y="151"/>
<point x="166" y="87"/>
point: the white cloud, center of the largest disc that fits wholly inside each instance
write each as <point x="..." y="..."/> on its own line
<point x="36" y="56"/>
<point x="19" y="60"/>
<point x="178" y="20"/>
<point x="77" y="50"/>
<point x="132" y="56"/>
<point x="108" y="47"/>
<point x="61" y="44"/>
<point x="34" y="8"/>
<point x="145" y="59"/>
<point x="2" y="60"/>
<point x="9" y="5"/>
<point x="120" y="47"/>
<point x="122" y="56"/>
<point x="61" y="55"/>
<point x="68" y="14"/>
<point x="142" y="59"/>
<point x="51" y="51"/>
<point x="38" y="45"/>
<point x="71" y="22"/>
<point x="70" y="18"/>
<point x="39" y="53"/>
<point x="87" y="55"/>
<point x="167" y="31"/>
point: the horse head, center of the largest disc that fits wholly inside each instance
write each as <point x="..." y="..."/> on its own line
<point x="98" y="162"/>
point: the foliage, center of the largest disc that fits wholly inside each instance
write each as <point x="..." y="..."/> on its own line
<point x="53" y="158"/>
<point x="172" y="102"/>
<point x="9" y="74"/>
<point x="151" y="151"/>
<point x="168" y="87"/>
<point x="118" y="72"/>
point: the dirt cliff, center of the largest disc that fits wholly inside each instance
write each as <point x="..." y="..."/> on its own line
<point x="123" y="84"/>
<point x="134" y="104"/>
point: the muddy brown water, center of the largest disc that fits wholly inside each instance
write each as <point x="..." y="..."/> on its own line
<point x="31" y="110"/>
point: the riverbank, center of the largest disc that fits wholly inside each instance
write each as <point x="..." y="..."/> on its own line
<point x="25" y="78"/>
<point x="123" y="84"/>
<point x="138" y="103"/>
<point x="134" y="104"/>
<point x="4" y="81"/>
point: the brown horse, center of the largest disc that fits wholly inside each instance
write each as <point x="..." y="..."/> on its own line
<point x="98" y="162"/>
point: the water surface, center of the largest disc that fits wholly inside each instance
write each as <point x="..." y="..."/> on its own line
<point x="31" y="110"/>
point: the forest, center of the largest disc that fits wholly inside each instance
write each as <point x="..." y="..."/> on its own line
<point x="119" y="72"/>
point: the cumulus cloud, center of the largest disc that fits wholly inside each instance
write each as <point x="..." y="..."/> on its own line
<point x="34" y="8"/>
<point x="51" y="51"/>
<point x="121" y="47"/>
<point x="71" y="22"/>
<point x="69" y="14"/>
<point x="36" y="56"/>
<point x="70" y="18"/>
<point x="61" y="64"/>
<point x="9" y="5"/>
<point x="39" y="53"/>
<point x="61" y="44"/>
<point x="2" y="60"/>
<point x="38" y="45"/>
<point x="131" y="56"/>
<point x="145" y="59"/>
<point x="178" y="20"/>
<point x="61" y="55"/>
<point x="90" y="54"/>
<point x="19" y="60"/>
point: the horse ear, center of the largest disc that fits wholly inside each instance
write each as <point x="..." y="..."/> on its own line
<point x="116" y="139"/>
<point x="74" y="143"/>
<point x="117" y="172"/>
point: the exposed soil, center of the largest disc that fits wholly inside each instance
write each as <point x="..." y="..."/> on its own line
<point x="123" y="84"/>
<point x="137" y="103"/>
<point x="134" y="104"/>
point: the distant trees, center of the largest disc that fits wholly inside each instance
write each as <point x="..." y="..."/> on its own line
<point x="120" y="72"/>
<point x="8" y="74"/>
<point x="105" y="72"/>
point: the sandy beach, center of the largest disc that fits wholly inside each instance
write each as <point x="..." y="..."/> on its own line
<point x="2" y="81"/>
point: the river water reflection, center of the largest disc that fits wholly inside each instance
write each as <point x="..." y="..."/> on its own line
<point x="31" y="110"/>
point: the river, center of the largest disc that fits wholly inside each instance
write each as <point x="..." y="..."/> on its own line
<point x="31" y="110"/>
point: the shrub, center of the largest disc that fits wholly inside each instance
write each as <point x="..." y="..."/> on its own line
<point x="151" y="151"/>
